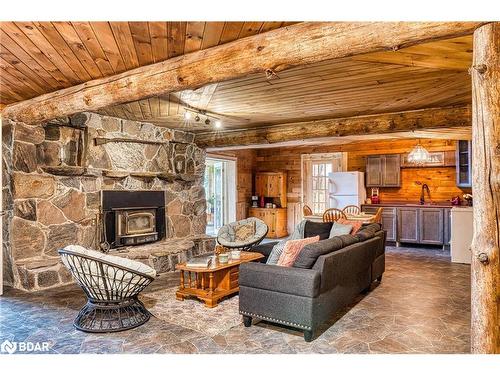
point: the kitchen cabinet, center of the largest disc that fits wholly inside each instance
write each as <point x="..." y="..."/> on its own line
<point x="383" y="170"/>
<point x="275" y="219"/>
<point x="447" y="226"/>
<point x="271" y="185"/>
<point x="431" y="226"/>
<point x="408" y="222"/>
<point x="464" y="164"/>
<point x="389" y="220"/>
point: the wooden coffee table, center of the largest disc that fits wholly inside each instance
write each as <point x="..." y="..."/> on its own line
<point x="212" y="284"/>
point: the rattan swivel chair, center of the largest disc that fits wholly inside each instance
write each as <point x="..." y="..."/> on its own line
<point x="225" y="236"/>
<point x="112" y="285"/>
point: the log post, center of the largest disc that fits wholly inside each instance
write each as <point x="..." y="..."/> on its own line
<point x="486" y="188"/>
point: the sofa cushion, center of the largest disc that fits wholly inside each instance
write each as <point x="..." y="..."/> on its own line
<point x="314" y="228"/>
<point x="356" y="224"/>
<point x="340" y="229"/>
<point x="292" y="249"/>
<point x="367" y="231"/>
<point x="310" y="253"/>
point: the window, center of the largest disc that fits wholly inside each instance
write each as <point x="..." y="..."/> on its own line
<point x="319" y="190"/>
<point x="315" y="170"/>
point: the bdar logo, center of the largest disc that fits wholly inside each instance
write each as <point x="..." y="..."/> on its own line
<point x="8" y="347"/>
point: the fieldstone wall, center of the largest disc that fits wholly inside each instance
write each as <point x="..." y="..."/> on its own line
<point x="53" y="175"/>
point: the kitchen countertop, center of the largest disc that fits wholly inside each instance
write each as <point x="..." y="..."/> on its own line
<point x="412" y="204"/>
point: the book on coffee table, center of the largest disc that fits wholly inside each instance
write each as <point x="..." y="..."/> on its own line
<point x="202" y="261"/>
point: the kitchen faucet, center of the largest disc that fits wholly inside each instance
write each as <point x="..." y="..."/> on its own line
<point x="422" y="193"/>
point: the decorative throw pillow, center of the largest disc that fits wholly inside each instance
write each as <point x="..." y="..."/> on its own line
<point x="292" y="250"/>
<point x="244" y="231"/>
<point x="340" y="229"/>
<point x="356" y="224"/>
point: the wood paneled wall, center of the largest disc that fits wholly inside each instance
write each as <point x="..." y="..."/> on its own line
<point x="441" y="180"/>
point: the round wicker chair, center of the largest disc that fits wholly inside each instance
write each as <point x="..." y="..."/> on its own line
<point x="225" y="236"/>
<point x="112" y="285"/>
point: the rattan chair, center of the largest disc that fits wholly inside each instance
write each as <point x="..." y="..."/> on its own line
<point x="333" y="214"/>
<point x="225" y="236"/>
<point x="306" y="210"/>
<point x="351" y="210"/>
<point x="112" y="285"/>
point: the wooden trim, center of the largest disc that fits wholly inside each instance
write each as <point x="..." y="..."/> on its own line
<point x="268" y="53"/>
<point x="373" y="124"/>
<point x="485" y="284"/>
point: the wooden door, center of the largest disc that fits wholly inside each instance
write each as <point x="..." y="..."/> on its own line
<point x="373" y="171"/>
<point x="391" y="170"/>
<point x="408" y="225"/>
<point x="274" y="185"/>
<point x="431" y="226"/>
<point x="260" y="185"/>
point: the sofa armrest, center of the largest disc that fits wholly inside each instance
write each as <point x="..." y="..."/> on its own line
<point x="289" y="280"/>
<point x="265" y="249"/>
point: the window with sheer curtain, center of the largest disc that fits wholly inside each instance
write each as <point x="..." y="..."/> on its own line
<point x="315" y="170"/>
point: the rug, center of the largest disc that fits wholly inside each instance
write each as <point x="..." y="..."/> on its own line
<point x="192" y="313"/>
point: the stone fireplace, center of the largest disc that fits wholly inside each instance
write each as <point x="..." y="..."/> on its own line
<point x="56" y="174"/>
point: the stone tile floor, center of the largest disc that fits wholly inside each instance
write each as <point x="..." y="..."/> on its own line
<point x="421" y="306"/>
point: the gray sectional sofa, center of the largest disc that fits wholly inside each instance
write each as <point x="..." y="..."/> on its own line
<point x="325" y="277"/>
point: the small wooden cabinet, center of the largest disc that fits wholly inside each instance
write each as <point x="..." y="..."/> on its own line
<point x="275" y="219"/>
<point x="408" y="224"/>
<point x="464" y="164"/>
<point x="421" y="225"/>
<point x="271" y="185"/>
<point x="383" y="170"/>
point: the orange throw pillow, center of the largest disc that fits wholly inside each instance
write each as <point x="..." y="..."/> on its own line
<point x="356" y="224"/>
<point x="292" y="249"/>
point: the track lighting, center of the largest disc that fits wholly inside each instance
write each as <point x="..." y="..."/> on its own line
<point x="197" y="118"/>
<point x="218" y="124"/>
<point x="199" y="115"/>
<point x="187" y="115"/>
<point x="207" y="121"/>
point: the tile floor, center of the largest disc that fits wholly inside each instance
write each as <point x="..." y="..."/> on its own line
<point x="421" y="306"/>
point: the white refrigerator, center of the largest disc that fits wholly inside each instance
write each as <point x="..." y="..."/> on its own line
<point x="346" y="188"/>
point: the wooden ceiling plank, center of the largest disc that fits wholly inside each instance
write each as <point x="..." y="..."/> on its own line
<point x="68" y="33"/>
<point x="376" y="124"/>
<point x="163" y="107"/>
<point x="14" y="71"/>
<point x="154" y="104"/>
<point x="22" y="88"/>
<point x="176" y="38"/>
<point x="268" y="26"/>
<point x="250" y="28"/>
<point x="211" y="34"/>
<point x="125" y="42"/>
<point x="89" y="39"/>
<point x="12" y="90"/>
<point x="107" y="41"/>
<point x="230" y="32"/>
<point x="53" y="54"/>
<point x="159" y="40"/>
<point x="33" y="51"/>
<point x="61" y="47"/>
<point x="31" y="73"/>
<point x="274" y="50"/>
<point x="194" y="36"/>
<point x="145" y="109"/>
<point x="142" y="42"/>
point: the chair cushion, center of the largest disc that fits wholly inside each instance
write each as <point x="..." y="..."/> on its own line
<point x="311" y="252"/>
<point x="340" y="229"/>
<point x="118" y="261"/>
<point x="292" y="249"/>
<point x="227" y="237"/>
<point x="244" y="231"/>
<point x="313" y="228"/>
<point x="356" y="224"/>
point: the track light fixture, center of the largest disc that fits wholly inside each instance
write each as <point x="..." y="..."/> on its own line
<point x="197" y="118"/>
<point x="209" y="119"/>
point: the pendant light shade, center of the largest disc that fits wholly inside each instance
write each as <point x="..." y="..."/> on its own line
<point x="419" y="155"/>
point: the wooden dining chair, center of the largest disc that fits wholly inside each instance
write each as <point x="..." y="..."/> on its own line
<point x="306" y="210"/>
<point x="333" y="214"/>
<point x="378" y="216"/>
<point x="351" y="210"/>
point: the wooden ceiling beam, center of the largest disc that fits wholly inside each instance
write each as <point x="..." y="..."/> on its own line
<point x="270" y="52"/>
<point x="424" y="119"/>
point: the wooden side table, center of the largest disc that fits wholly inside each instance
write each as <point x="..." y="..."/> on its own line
<point x="212" y="284"/>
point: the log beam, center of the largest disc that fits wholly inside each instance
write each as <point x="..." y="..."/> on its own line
<point x="271" y="52"/>
<point x="433" y="118"/>
<point x="485" y="282"/>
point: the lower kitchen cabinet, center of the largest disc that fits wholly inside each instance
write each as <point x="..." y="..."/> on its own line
<point x="408" y="224"/>
<point x="275" y="219"/>
<point x="389" y="220"/>
<point x="431" y="226"/>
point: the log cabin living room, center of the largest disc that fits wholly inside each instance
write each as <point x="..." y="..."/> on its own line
<point x="237" y="187"/>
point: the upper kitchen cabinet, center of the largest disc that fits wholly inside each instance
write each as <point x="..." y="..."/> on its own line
<point x="272" y="185"/>
<point x="464" y="164"/>
<point x="383" y="171"/>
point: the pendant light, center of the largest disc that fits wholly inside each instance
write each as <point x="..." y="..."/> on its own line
<point x="419" y="155"/>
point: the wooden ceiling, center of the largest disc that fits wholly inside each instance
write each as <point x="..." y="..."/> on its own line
<point x="40" y="57"/>
<point x="428" y="75"/>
